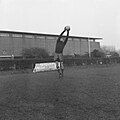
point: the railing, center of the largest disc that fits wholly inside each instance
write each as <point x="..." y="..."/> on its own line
<point x="19" y="64"/>
<point x="91" y="61"/>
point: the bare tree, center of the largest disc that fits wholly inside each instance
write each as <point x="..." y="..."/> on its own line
<point x="108" y="49"/>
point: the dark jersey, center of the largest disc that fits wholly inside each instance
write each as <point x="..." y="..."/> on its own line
<point x="60" y="44"/>
<point x="59" y="47"/>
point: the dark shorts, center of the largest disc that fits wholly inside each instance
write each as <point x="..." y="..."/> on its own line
<point x="58" y="57"/>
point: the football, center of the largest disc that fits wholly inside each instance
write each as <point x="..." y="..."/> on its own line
<point x="67" y="27"/>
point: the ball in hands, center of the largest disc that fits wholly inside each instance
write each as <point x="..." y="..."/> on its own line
<point x="67" y="28"/>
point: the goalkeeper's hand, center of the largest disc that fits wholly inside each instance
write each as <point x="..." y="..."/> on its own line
<point x="68" y="30"/>
<point x="65" y="29"/>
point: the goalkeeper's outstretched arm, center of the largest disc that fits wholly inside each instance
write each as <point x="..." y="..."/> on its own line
<point x="66" y="39"/>
<point x="60" y="36"/>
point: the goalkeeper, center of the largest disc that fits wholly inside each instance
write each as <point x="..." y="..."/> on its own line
<point x="60" y="44"/>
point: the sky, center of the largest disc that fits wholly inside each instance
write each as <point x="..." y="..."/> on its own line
<point x="87" y="18"/>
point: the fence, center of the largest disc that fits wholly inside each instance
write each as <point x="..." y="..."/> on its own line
<point x="19" y="64"/>
<point x="91" y="61"/>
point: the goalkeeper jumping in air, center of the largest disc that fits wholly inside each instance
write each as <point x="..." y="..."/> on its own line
<point x="60" y="44"/>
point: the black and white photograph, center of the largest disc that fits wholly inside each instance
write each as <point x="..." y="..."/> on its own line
<point x="59" y="60"/>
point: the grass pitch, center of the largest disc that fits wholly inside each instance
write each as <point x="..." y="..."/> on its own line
<point x="91" y="93"/>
